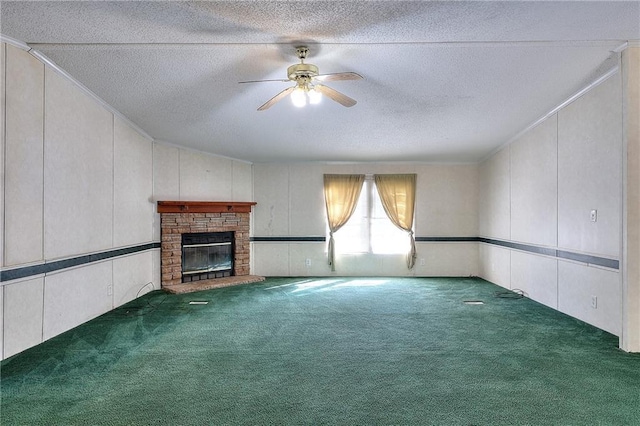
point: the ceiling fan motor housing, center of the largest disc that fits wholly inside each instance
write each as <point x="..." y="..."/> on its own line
<point x="298" y="71"/>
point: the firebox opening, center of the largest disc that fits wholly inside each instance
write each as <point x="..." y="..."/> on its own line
<point x="207" y="255"/>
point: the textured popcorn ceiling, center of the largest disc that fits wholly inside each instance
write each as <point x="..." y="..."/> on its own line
<point x="444" y="81"/>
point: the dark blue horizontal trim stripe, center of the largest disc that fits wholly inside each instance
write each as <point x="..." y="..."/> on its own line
<point x="288" y="239"/>
<point x="594" y="260"/>
<point x="519" y="246"/>
<point x="560" y="254"/>
<point x="446" y="239"/>
<point x="27" y="271"/>
<point x="323" y="239"/>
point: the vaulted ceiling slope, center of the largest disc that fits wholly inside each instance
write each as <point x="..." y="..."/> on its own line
<point x="443" y="81"/>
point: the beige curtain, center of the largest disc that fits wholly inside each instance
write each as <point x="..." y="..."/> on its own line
<point x="341" y="194"/>
<point x="398" y="195"/>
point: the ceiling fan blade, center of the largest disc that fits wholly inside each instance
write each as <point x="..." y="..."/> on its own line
<point x="263" y="81"/>
<point x="276" y="98"/>
<point x="335" y="95"/>
<point x="339" y="76"/>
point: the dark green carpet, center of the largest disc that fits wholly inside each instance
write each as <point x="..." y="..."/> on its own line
<point x="327" y="351"/>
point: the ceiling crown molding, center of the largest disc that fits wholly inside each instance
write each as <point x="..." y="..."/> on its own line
<point x="12" y="41"/>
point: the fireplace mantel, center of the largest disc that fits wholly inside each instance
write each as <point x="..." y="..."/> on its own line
<point x="205" y="206"/>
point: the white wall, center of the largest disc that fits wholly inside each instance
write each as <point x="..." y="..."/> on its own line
<point x="494" y="207"/>
<point x="2" y="179"/>
<point x="631" y="218"/>
<point x="540" y="190"/>
<point x="23" y="174"/>
<point x="186" y="175"/>
<point x="290" y="203"/>
<point x="79" y="180"/>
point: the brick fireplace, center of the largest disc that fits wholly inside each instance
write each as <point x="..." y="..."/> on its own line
<point x="194" y="217"/>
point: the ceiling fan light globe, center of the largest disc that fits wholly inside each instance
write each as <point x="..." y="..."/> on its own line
<point x="298" y="98"/>
<point x="314" y="97"/>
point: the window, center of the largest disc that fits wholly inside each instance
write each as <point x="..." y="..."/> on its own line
<point x="369" y="230"/>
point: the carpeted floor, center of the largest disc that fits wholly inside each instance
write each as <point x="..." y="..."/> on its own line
<point x="349" y="351"/>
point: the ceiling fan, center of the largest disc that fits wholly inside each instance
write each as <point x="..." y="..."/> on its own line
<point x="307" y="87"/>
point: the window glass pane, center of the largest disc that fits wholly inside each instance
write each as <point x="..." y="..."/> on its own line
<point x="386" y="238"/>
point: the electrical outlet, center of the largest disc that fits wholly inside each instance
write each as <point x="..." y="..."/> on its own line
<point x="594" y="302"/>
<point x="307" y="262"/>
<point x="109" y="290"/>
<point x="594" y="215"/>
<point x="423" y="261"/>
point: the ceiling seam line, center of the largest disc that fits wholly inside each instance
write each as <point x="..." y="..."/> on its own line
<point x="567" y="43"/>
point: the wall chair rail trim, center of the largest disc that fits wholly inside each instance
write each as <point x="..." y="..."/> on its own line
<point x="57" y="265"/>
